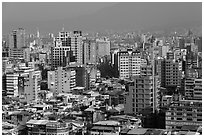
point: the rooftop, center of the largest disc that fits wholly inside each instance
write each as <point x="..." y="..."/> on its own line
<point x="37" y="122"/>
<point x="137" y="131"/>
<point x="108" y="122"/>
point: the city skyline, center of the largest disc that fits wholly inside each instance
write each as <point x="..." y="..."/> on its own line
<point x="102" y="69"/>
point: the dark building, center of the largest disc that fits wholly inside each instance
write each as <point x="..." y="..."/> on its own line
<point x="181" y="43"/>
<point x="4" y="82"/>
<point x="170" y="74"/>
<point x="60" y="57"/>
<point x="81" y="76"/>
<point x="114" y="64"/>
<point x="154" y="120"/>
<point x="198" y="41"/>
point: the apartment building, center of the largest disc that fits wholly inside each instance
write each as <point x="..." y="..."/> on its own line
<point x="17" y="39"/>
<point x="184" y="112"/>
<point x="90" y="52"/>
<point x="197" y="94"/>
<point x="103" y="47"/>
<point x="60" y="56"/>
<point x="142" y="94"/>
<point x="189" y="88"/>
<point x="28" y="84"/>
<point x="129" y="63"/>
<point x="62" y="80"/>
<point x="12" y="84"/>
<point x="169" y="72"/>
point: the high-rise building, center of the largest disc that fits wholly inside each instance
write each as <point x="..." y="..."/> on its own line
<point x="89" y="52"/>
<point x="82" y="75"/>
<point x="62" y="80"/>
<point x="72" y="42"/>
<point x="17" y="39"/>
<point x="64" y="38"/>
<point x="5" y="62"/>
<point x="12" y="84"/>
<point x="129" y="63"/>
<point x="24" y="83"/>
<point x="189" y="87"/>
<point x="197" y="94"/>
<point x="169" y="73"/>
<point x="17" y="43"/>
<point x="29" y="85"/>
<point x="26" y="54"/>
<point x="181" y="42"/>
<point x="143" y="94"/>
<point x="103" y="46"/>
<point x="60" y="55"/>
<point x="198" y="42"/>
<point x="77" y="46"/>
<point x="115" y="61"/>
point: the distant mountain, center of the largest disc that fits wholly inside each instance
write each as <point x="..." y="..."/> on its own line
<point x="124" y="16"/>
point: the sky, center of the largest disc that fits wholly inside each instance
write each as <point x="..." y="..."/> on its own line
<point x="51" y="17"/>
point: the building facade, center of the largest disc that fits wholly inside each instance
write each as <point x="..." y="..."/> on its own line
<point x="184" y="112"/>
<point x="142" y="94"/>
<point x="129" y="64"/>
<point x="103" y="46"/>
<point x="62" y="80"/>
<point x="17" y="39"/>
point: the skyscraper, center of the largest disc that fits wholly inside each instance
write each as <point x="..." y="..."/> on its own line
<point x="17" y="39"/>
<point x="17" y="43"/>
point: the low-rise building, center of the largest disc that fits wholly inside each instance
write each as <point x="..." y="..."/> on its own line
<point x="47" y="127"/>
<point x="106" y="128"/>
<point x="184" y="112"/>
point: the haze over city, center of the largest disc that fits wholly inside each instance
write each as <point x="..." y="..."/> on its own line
<point x="102" y="68"/>
<point x="100" y="16"/>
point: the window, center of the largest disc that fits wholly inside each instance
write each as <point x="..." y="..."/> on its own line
<point x="189" y="119"/>
<point x="189" y="114"/>
<point x="172" y="118"/>
<point x="199" y="119"/>
<point x="179" y="114"/>
<point x="178" y="118"/>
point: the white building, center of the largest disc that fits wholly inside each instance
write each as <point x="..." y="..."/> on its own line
<point x="29" y="85"/>
<point x="129" y="63"/>
<point x="12" y="84"/>
<point x="61" y="80"/>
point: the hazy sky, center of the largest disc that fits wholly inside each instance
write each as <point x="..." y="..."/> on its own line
<point x="41" y="11"/>
<point x="50" y="17"/>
